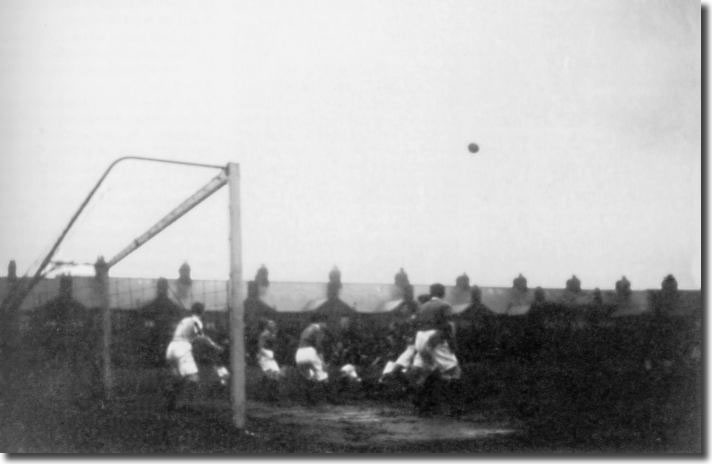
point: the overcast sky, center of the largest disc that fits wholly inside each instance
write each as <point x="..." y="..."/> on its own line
<point x="350" y="121"/>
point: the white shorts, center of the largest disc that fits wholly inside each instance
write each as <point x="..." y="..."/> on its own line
<point x="388" y="368"/>
<point x="349" y="371"/>
<point x="310" y="364"/>
<point x="179" y="355"/>
<point x="439" y="358"/>
<point x="405" y="360"/>
<point x="266" y="361"/>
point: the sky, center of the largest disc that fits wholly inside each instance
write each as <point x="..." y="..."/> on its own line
<point x="350" y="122"/>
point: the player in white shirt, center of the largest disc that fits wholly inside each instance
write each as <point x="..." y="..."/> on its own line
<point x="179" y="354"/>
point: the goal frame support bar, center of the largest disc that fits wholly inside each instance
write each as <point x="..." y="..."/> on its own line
<point x="191" y="202"/>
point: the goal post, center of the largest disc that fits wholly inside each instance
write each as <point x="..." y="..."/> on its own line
<point x="235" y="307"/>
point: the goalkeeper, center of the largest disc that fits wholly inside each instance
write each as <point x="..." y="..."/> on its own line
<point x="179" y="354"/>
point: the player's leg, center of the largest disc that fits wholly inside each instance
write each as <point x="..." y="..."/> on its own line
<point x="172" y="390"/>
<point x="430" y="393"/>
<point x="191" y="388"/>
<point x="451" y="386"/>
<point x="173" y="379"/>
<point x="188" y="370"/>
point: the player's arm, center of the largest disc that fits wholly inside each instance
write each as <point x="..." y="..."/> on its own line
<point x="199" y="334"/>
<point x="452" y="339"/>
<point x="319" y="340"/>
<point x="262" y="340"/>
<point x="446" y="325"/>
<point x="436" y="339"/>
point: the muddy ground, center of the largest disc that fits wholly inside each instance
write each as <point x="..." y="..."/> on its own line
<point x="50" y="408"/>
<point x="52" y="411"/>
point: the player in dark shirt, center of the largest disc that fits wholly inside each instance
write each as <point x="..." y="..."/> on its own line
<point x="310" y="353"/>
<point x="434" y="359"/>
<point x="435" y="334"/>
<point x="265" y="349"/>
<point x="273" y="373"/>
<point x="401" y="350"/>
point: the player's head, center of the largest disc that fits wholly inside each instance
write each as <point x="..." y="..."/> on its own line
<point x="437" y="290"/>
<point x="423" y="298"/>
<point x="197" y="309"/>
<point x="267" y="324"/>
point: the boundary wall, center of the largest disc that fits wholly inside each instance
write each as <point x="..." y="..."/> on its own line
<point x="134" y="293"/>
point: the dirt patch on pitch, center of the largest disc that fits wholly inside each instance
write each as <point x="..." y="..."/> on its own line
<point x="371" y="424"/>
